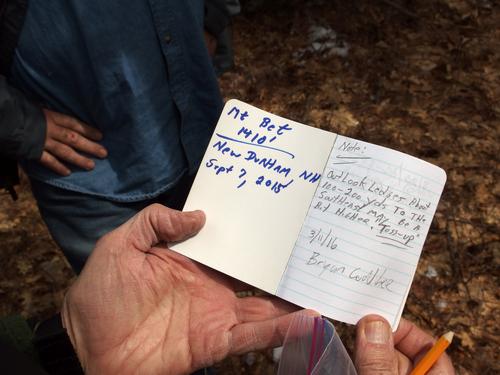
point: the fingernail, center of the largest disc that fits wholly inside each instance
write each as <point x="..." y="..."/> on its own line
<point x="377" y="332"/>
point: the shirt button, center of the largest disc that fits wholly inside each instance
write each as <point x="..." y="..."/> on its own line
<point x="167" y="38"/>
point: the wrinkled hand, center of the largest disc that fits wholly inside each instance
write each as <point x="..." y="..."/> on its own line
<point x="139" y="307"/>
<point x="379" y="351"/>
<point x="65" y="137"/>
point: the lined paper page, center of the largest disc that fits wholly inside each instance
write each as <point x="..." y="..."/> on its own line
<point x="359" y="246"/>
<point x="255" y="184"/>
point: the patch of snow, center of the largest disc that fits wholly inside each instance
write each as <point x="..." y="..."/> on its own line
<point x="324" y="40"/>
<point x="431" y="272"/>
<point x="441" y="304"/>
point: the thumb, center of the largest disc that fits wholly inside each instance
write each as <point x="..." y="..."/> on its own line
<point x="158" y="223"/>
<point x="375" y="352"/>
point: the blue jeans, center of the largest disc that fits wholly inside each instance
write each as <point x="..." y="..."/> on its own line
<point x="76" y="221"/>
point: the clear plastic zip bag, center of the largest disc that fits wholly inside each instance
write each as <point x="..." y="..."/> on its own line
<point x="313" y="347"/>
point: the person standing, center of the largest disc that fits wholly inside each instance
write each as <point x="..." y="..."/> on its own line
<point x="140" y="74"/>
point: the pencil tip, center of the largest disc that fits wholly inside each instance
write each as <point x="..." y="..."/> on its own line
<point x="448" y="336"/>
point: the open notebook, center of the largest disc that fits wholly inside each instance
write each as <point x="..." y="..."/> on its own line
<point x="321" y="220"/>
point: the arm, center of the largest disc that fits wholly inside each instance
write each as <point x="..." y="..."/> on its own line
<point x="22" y="125"/>
<point x="28" y="132"/>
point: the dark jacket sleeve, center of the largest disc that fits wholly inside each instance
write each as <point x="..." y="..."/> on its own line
<point x="217" y="16"/>
<point x="22" y="125"/>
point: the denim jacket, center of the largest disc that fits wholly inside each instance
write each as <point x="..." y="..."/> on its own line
<point x="140" y="73"/>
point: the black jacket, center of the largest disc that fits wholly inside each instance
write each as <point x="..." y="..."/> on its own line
<point x="22" y="123"/>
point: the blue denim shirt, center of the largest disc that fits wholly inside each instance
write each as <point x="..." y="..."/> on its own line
<point x="138" y="71"/>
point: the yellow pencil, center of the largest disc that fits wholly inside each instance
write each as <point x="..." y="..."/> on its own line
<point x="433" y="355"/>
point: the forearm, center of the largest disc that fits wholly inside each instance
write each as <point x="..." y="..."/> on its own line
<point x="22" y="125"/>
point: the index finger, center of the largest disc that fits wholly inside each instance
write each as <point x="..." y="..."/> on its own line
<point x="250" y="336"/>
<point x="250" y="309"/>
<point x="414" y="343"/>
<point x="80" y="127"/>
<point x="411" y="340"/>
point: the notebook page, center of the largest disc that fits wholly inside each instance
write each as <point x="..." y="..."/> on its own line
<point x="255" y="184"/>
<point x="359" y="247"/>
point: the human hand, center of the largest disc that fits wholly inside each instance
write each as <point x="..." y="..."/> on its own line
<point x="139" y="307"/>
<point x="65" y="136"/>
<point x="380" y="352"/>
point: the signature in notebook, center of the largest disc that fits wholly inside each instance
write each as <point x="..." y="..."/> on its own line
<point x="324" y="264"/>
<point x="375" y="277"/>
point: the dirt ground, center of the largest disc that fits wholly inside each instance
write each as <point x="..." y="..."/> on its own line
<point x="422" y="77"/>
